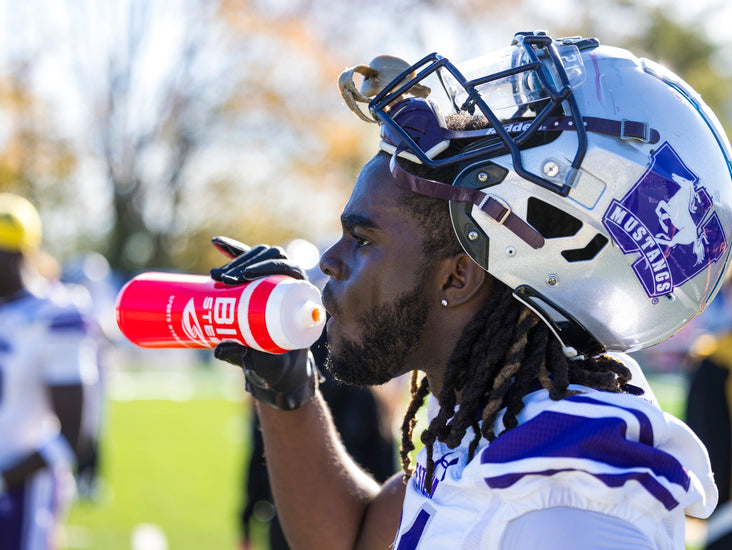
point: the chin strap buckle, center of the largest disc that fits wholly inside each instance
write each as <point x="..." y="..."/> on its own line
<point x="493" y="207"/>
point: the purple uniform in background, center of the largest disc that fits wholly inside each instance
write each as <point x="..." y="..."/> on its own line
<point x="44" y="342"/>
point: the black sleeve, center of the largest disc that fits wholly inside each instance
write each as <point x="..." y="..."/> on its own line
<point x="707" y="413"/>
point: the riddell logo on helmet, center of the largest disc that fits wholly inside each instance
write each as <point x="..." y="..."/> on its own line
<point x="669" y="219"/>
<point x="514" y="128"/>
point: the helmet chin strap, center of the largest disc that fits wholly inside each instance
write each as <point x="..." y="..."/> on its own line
<point x="492" y="206"/>
<point x="569" y="352"/>
<point x="576" y="341"/>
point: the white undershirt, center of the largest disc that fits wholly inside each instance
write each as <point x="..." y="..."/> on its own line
<point x="572" y="529"/>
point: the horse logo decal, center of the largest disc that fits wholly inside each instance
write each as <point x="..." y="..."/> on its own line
<point x="669" y="220"/>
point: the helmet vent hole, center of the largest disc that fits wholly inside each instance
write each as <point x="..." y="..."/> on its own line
<point x="588" y="252"/>
<point x="550" y="221"/>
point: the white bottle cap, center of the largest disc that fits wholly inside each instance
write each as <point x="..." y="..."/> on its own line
<point x="295" y="315"/>
<point x="312" y="314"/>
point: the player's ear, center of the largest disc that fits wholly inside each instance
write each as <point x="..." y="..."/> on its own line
<point x="462" y="279"/>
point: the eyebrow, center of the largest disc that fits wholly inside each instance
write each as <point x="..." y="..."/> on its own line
<point x="349" y="221"/>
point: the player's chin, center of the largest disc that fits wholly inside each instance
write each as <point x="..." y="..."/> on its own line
<point x="337" y="333"/>
<point x="335" y="337"/>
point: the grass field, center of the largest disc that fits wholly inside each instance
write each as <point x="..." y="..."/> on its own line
<point x="172" y="462"/>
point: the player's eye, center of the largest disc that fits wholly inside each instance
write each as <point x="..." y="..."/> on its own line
<point x="360" y="240"/>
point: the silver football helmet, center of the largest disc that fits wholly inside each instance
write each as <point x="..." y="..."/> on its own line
<point x="595" y="184"/>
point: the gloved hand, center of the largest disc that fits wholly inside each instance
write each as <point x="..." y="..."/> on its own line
<point x="251" y="263"/>
<point x="283" y="381"/>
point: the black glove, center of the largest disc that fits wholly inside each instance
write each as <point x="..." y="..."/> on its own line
<point x="251" y="263"/>
<point x="283" y="381"/>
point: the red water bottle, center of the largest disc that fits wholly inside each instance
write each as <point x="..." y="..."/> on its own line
<point x="273" y="314"/>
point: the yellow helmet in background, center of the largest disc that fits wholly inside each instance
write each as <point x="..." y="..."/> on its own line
<point x="20" y="224"/>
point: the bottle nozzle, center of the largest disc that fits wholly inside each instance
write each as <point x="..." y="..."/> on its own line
<point x="312" y="314"/>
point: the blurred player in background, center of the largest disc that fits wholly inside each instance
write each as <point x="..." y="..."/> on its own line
<point x="708" y="413"/>
<point x="90" y="280"/>
<point x="48" y="351"/>
<point x="709" y="410"/>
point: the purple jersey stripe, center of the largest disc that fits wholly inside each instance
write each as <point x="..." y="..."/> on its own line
<point x="650" y="483"/>
<point x="13" y="517"/>
<point x="560" y="435"/>
<point x="646" y="428"/>
<point x="71" y="320"/>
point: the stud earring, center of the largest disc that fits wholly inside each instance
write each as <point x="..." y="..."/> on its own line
<point x="443" y="302"/>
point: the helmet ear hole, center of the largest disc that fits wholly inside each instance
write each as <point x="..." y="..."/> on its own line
<point x="554" y="223"/>
<point x="550" y="221"/>
<point x="587" y="253"/>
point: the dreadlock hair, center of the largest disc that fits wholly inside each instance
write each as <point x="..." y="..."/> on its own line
<point x="504" y="351"/>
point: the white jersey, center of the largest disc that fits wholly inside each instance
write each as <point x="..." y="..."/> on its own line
<point x="604" y="453"/>
<point x="43" y="342"/>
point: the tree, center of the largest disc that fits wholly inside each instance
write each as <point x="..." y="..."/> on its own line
<point x="199" y="132"/>
<point x="34" y="160"/>
<point x="689" y="51"/>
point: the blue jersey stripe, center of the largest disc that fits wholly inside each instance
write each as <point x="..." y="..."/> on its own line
<point x="646" y="428"/>
<point x="603" y="441"/>
<point x="561" y="435"/>
<point x="68" y="320"/>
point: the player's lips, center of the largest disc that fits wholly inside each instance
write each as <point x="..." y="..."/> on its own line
<point x="329" y="302"/>
<point x="330" y="305"/>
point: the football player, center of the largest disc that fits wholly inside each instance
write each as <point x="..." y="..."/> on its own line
<point x="47" y="353"/>
<point x="532" y="215"/>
